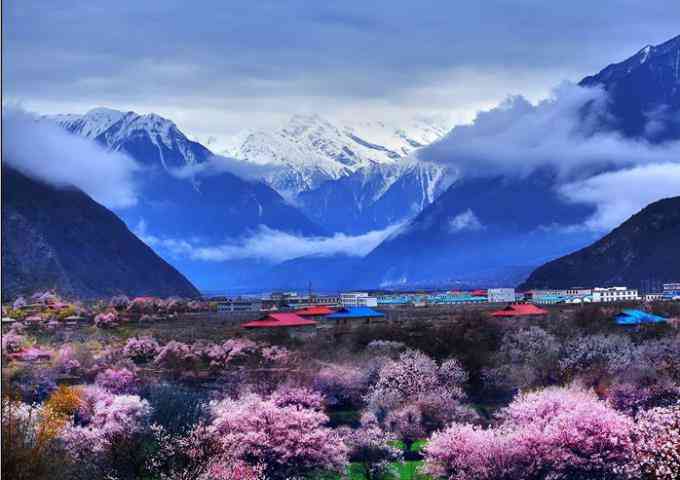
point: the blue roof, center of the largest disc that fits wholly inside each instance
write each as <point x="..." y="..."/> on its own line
<point x="630" y="316"/>
<point x="355" y="312"/>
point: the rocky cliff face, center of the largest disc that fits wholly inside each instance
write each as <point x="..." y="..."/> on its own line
<point x="60" y="238"/>
<point x="646" y="247"/>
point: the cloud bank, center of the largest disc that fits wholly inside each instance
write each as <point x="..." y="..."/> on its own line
<point x="618" y="195"/>
<point x="251" y="60"/>
<point x="218" y="164"/>
<point x="269" y="245"/>
<point x="567" y="133"/>
<point x="564" y="131"/>
<point x="47" y="152"/>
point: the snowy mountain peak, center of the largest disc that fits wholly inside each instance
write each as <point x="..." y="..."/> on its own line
<point x="309" y="149"/>
<point x="643" y="54"/>
<point x="149" y="138"/>
<point x="104" y="112"/>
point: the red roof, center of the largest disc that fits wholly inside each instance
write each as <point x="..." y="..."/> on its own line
<point x="279" y="320"/>
<point x="520" y="310"/>
<point x="478" y="293"/>
<point x="314" y="311"/>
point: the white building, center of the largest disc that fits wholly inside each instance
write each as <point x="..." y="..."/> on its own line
<point x="615" y="294"/>
<point x="578" y="292"/>
<point x="358" y="299"/>
<point x="239" y="305"/>
<point x="671" y="291"/>
<point x="500" y="295"/>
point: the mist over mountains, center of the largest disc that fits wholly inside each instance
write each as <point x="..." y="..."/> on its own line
<point x="481" y="204"/>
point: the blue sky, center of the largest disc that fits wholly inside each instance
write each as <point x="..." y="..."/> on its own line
<point x="215" y="66"/>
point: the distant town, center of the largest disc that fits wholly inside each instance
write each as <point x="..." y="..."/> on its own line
<point x="577" y="295"/>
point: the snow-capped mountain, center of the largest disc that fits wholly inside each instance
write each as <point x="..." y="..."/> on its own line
<point x="644" y="92"/>
<point x="376" y="196"/>
<point x="309" y="150"/>
<point x="177" y="215"/>
<point x="483" y="228"/>
<point x="350" y="178"/>
<point x="148" y="138"/>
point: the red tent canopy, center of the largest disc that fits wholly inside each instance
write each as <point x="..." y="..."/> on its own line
<point x="520" y="310"/>
<point x="279" y="320"/>
<point x="314" y="311"/>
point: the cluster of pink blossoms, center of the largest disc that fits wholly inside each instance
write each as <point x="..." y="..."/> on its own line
<point x="102" y="417"/>
<point x="416" y="396"/>
<point x="117" y="380"/>
<point x="141" y="349"/>
<point x="656" y="449"/>
<point x="286" y="440"/>
<point x="12" y="343"/>
<point x="66" y="361"/>
<point x="564" y="432"/>
<point x="106" y="320"/>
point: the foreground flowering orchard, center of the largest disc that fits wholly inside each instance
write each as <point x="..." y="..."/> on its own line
<point x="474" y="399"/>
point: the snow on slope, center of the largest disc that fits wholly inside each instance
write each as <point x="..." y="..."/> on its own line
<point x="145" y="137"/>
<point x="310" y="150"/>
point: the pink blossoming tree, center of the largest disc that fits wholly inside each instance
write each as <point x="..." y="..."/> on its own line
<point x="286" y="440"/>
<point x="656" y="449"/>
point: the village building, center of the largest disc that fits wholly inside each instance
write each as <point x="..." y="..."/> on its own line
<point x="631" y="316"/>
<point x="520" y="310"/>
<point x="500" y="295"/>
<point x="358" y="299"/>
<point x="239" y="305"/>
<point x="671" y="291"/>
<point x="315" y="313"/>
<point x="292" y="323"/>
<point x="615" y="294"/>
<point x="653" y="297"/>
<point x="355" y="316"/>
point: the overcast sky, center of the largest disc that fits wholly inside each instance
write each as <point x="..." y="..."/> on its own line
<point x="215" y="67"/>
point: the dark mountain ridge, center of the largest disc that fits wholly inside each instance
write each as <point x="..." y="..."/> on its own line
<point x="60" y="238"/>
<point x="645" y="248"/>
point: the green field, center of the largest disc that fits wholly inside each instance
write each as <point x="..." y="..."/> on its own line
<point x="402" y="471"/>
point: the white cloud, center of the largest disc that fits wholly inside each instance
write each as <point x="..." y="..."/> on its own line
<point x="517" y="137"/>
<point x="465" y="221"/>
<point x="218" y="164"/>
<point x="49" y="153"/>
<point x="270" y="245"/>
<point x="618" y="195"/>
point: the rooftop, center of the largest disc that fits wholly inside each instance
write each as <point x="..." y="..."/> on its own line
<point x="630" y="316"/>
<point x="520" y="310"/>
<point x="355" y="312"/>
<point x="279" y="320"/>
<point x="314" y="311"/>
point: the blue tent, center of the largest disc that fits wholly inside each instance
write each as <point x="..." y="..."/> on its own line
<point x="630" y="316"/>
<point x="355" y="312"/>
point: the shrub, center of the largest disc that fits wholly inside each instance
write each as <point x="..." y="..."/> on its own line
<point x="656" y="450"/>
<point x="174" y="407"/>
<point x="372" y="448"/>
<point x="287" y="441"/>
<point x="555" y="433"/>
<point x="12" y="343"/>
<point x="117" y="380"/>
<point x="341" y="385"/>
<point x="141" y="349"/>
<point x="176" y="356"/>
<point x="27" y="455"/>
<point x="106" y="320"/>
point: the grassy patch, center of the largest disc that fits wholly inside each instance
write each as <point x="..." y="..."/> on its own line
<point x="350" y="418"/>
<point x="402" y="471"/>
